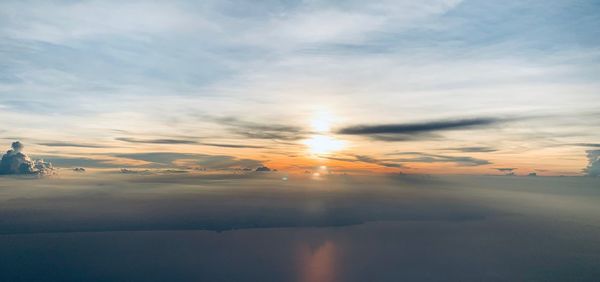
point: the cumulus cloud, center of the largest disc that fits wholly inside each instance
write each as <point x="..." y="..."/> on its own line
<point x="593" y="168"/>
<point x="17" y="162"/>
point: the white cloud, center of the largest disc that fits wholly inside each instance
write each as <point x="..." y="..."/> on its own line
<point x="593" y="168"/>
<point x="57" y="22"/>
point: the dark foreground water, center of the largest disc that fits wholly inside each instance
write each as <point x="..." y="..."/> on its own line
<point x="337" y="229"/>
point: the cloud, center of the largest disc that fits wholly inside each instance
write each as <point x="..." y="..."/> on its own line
<point x="131" y="171"/>
<point x="422" y="158"/>
<point x="157" y="141"/>
<point x="262" y="169"/>
<point x="16" y="162"/>
<point x="434" y="158"/>
<point x="505" y="169"/>
<point x="159" y="158"/>
<point x="593" y="167"/>
<point x="165" y="159"/>
<point x="240" y="146"/>
<point x="61" y="21"/>
<point x="367" y="159"/>
<point x="509" y="171"/>
<point x="588" y="145"/>
<point x="261" y="131"/>
<point x="75" y="161"/>
<point x="473" y="149"/>
<point x="397" y="137"/>
<point x="185" y="141"/>
<point x="65" y="144"/>
<point x="418" y="128"/>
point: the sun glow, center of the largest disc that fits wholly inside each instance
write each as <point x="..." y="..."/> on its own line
<point x="322" y="121"/>
<point x="322" y="145"/>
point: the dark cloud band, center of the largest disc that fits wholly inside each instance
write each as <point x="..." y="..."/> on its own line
<point x="418" y="128"/>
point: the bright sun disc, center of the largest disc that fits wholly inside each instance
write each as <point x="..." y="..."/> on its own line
<point x="320" y="145"/>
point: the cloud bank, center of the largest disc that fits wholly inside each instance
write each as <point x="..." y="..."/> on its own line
<point x="17" y="162"/>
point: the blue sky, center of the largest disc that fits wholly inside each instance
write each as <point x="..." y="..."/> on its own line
<point x="241" y="73"/>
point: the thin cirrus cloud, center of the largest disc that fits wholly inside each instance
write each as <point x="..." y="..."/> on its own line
<point x="474" y="149"/>
<point x="157" y="141"/>
<point x="187" y="142"/>
<point x="419" y="157"/>
<point x="368" y="159"/>
<point x="253" y="130"/>
<point x="68" y="144"/>
<point x="171" y="159"/>
<point x="588" y="145"/>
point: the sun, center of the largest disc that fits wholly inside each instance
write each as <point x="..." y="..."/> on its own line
<point x="323" y="145"/>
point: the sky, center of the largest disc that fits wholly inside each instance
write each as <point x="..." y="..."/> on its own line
<point x="417" y="87"/>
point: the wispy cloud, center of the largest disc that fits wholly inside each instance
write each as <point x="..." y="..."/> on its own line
<point x="254" y="130"/>
<point x="434" y="158"/>
<point x="171" y="159"/>
<point x="367" y="159"/>
<point x="588" y="144"/>
<point x="67" y="144"/>
<point x="188" y="142"/>
<point x="157" y="141"/>
<point x="474" y="149"/>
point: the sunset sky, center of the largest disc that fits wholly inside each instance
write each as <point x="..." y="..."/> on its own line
<point x="357" y="87"/>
